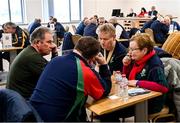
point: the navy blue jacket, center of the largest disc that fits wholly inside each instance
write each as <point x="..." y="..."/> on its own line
<point x="67" y="43"/>
<point x="115" y="63"/>
<point x="175" y="25"/>
<point x="90" y="30"/>
<point x="33" y="26"/>
<point x="80" y="28"/>
<point x="14" y="108"/>
<point x="59" y="30"/>
<point x="160" y="31"/>
<point x="60" y="86"/>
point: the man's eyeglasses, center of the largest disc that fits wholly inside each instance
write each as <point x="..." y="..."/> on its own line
<point x="133" y="49"/>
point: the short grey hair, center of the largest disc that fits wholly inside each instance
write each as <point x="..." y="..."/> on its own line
<point x="9" y="24"/>
<point x="39" y="34"/>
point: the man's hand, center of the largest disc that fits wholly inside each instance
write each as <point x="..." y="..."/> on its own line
<point x="100" y="59"/>
<point x="54" y="48"/>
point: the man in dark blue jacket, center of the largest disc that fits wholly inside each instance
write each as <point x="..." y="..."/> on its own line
<point x="34" y="25"/>
<point x="160" y="30"/>
<point x="62" y="89"/>
<point x="90" y="29"/>
<point x="58" y="28"/>
<point x="113" y="51"/>
<point x="82" y="25"/>
<point x="148" y="24"/>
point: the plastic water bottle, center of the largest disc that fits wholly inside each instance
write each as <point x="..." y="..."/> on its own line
<point x="175" y="29"/>
<point x="171" y="28"/>
<point x="124" y="87"/>
<point x="118" y="80"/>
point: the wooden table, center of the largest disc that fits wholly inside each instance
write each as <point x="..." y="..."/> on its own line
<point x="2" y="85"/>
<point x="127" y="22"/>
<point x="12" y="51"/>
<point x="107" y="105"/>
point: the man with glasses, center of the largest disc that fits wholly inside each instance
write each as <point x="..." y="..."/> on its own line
<point x="111" y="49"/>
<point x="28" y="65"/>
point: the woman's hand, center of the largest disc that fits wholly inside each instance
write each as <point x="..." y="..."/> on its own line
<point x="126" y="60"/>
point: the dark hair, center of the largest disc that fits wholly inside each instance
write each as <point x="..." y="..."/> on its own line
<point x="88" y="46"/>
<point x="143" y="40"/>
<point x="143" y="9"/>
<point x="39" y="34"/>
<point x="54" y="20"/>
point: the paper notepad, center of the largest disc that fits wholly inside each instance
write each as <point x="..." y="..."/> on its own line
<point x="113" y="97"/>
<point x="137" y="91"/>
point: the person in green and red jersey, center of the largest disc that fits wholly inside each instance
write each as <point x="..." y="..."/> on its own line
<point x="63" y="87"/>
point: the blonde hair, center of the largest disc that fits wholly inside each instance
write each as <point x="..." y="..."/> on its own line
<point x="108" y="28"/>
<point x="113" y="20"/>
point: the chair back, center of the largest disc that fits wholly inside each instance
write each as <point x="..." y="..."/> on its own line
<point x="74" y="28"/>
<point x="172" y="45"/>
<point x="150" y="32"/>
<point x="14" y="108"/>
<point x="75" y="38"/>
<point x="67" y="29"/>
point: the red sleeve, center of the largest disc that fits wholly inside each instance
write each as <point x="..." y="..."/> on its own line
<point x="92" y="85"/>
<point x="152" y="86"/>
<point x="126" y="70"/>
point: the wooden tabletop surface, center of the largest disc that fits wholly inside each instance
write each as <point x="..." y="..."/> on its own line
<point x="108" y="105"/>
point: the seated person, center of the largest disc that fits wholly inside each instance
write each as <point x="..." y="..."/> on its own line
<point x="82" y="25"/>
<point x="28" y="65"/>
<point x="90" y="29"/>
<point x="69" y="42"/>
<point x="111" y="49"/>
<point x="160" y="29"/>
<point x="19" y="39"/>
<point x="34" y="25"/>
<point x="175" y="24"/>
<point x="62" y="89"/>
<point x="131" y="14"/>
<point x="147" y="24"/>
<point x="50" y="21"/>
<point x="120" y="31"/>
<point x="143" y="69"/>
<point x="134" y="29"/>
<point x="100" y="22"/>
<point x="142" y="13"/>
<point x="58" y="28"/>
<point x="153" y="13"/>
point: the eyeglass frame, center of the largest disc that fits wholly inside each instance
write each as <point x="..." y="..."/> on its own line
<point x="133" y="49"/>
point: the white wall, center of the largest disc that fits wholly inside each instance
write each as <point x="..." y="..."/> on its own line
<point x="33" y="10"/>
<point x="104" y="7"/>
